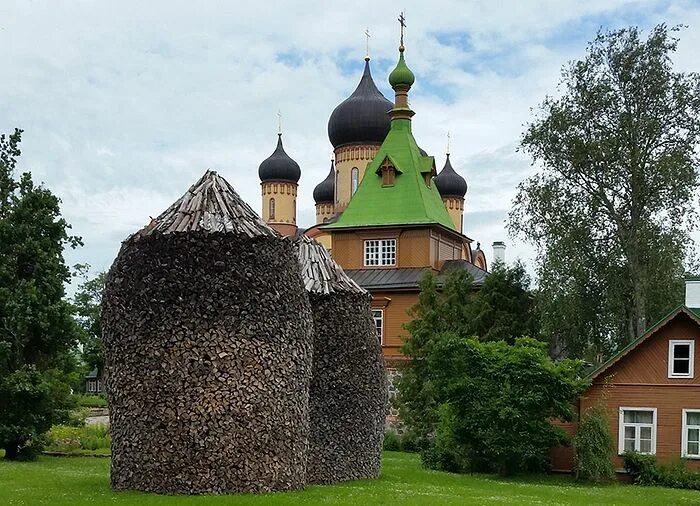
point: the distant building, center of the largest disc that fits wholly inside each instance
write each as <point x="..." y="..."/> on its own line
<point x="93" y="383"/>
<point x="383" y="211"/>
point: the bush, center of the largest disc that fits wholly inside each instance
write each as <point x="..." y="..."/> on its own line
<point x="91" y="401"/>
<point x="391" y="441"/>
<point x="644" y="470"/>
<point x="445" y="454"/>
<point x="407" y="442"/>
<point x="593" y="446"/>
<point x="63" y="438"/>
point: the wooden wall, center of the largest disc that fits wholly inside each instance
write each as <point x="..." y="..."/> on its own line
<point x="396" y="306"/>
<point x="412" y="247"/>
<point x="640" y="379"/>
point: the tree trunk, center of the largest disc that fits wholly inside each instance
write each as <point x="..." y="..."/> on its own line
<point x="12" y="450"/>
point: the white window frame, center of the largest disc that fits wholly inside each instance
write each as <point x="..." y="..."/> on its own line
<point x="671" y="352"/>
<point x="684" y="434"/>
<point x="381" y="323"/>
<point x="377" y="258"/>
<point x="622" y="425"/>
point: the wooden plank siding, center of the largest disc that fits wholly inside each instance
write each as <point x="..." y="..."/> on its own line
<point x="640" y="379"/>
<point x="395" y="306"/>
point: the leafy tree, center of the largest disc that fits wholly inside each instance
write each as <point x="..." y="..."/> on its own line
<point x="86" y="303"/>
<point x="613" y="201"/>
<point x="37" y="331"/>
<point x="504" y="307"/>
<point x="594" y="446"/>
<point x="502" y="399"/>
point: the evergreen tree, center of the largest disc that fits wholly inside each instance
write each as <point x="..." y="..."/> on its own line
<point x="37" y="331"/>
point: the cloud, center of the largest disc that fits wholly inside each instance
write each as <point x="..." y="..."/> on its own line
<point x="125" y="104"/>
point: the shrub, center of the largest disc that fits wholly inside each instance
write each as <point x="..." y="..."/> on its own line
<point x="91" y="401"/>
<point x="445" y="454"/>
<point x="593" y="446"/>
<point x="644" y="470"/>
<point x="68" y="439"/>
<point x="391" y="441"/>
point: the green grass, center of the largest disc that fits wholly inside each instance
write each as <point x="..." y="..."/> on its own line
<point x="88" y="439"/>
<point x="82" y="480"/>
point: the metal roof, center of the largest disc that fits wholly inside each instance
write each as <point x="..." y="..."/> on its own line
<point x="392" y="279"/>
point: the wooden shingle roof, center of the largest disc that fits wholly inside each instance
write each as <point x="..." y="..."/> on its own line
<point x="319" y="271"/>
<point x="210" y="205"/>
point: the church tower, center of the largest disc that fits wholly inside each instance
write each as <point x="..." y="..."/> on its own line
<point x="356" y="129"/>
<point x="452" y="188"/>
<point x="279" y="176"/>
<point x="324" y="196"/>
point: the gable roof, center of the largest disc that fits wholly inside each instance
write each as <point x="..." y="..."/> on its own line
<point x="410" y="201"/>
<point x="692" y="313"/>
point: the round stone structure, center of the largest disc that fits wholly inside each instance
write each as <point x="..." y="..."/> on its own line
<point x="348" y="392"/>
<point x="208" y="345"/>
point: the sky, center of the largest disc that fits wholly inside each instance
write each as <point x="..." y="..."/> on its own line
<point x="125" y="104"/>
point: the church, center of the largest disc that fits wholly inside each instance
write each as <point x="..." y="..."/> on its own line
<point x="384" y="212"/>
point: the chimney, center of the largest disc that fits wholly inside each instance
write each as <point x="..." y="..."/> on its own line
<point x="499" y="252"/>
<point x="692" y="291"/>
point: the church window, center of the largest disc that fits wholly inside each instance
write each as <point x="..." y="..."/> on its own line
<point x="388" y="173"/>
<point x="380" y="252"/>
<point x="354" y="179"/>
<point x="271" y="211"/>
<point x="378" y="317"/>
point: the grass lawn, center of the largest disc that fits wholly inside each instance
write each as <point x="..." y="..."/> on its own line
<point x="83" y="480"/>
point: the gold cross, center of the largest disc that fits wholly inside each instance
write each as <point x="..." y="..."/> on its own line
<point x="402" y="22"/>
<point x="367" y="43"/>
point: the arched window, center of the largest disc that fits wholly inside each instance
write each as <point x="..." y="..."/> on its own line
<point x="271" y="210"/>
<point x="354" y="180"/>
<point x="335" y="188"/>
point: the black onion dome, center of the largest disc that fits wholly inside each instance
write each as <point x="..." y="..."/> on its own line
<point x="449" y="183"/>
<point x="325" y="190"/>
<point x="279" y="166"/>
<point x="362" y="117"/>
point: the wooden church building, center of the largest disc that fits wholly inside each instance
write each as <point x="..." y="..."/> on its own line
<point x="384" y="212"/>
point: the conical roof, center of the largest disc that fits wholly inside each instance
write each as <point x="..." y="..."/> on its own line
<point x="279" y="166"/>
<point x="319" y="272"/>
<point x="449" y="183"/>
<point x="325" y="190"/>
<point x="362" y="117"/>
<point x="210" y="205"/>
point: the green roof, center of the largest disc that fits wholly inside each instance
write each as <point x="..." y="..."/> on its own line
<point x="409" y="201"/>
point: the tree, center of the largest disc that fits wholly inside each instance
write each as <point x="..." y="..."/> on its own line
<point x="87" y="305"/>
<point x="501" y="401"/>
<point x="594" y="446"/>
<point x="502" y="309"/>
<point x="37" y="331"/>
<point x="612" y="203"/>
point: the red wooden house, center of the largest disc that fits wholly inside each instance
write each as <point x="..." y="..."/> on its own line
<point x="651" y="391"/>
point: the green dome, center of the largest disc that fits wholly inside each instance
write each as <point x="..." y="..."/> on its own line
<point x="401" y="75"/>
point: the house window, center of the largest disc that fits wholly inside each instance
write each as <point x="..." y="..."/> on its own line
<point x="380" y="252"/>
<point x="272" y="209"/>
<point x="691" y="434"/>
<point x="378" y="316"/>
<point x="681" y="356"/>
<point x="637" y="430"/>
<point x="354" y="180"/>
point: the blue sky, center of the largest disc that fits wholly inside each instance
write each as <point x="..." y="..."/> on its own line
<point x="125" y="104"/>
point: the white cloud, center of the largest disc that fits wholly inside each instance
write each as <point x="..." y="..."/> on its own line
<point x="126" y="104"/>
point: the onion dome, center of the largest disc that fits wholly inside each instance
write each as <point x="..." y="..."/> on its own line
<point x="401" y="75"/>
<point x="279" y="166"/>
<point x="449" y="183"/>
<point x="362" y="117"/>
<point x="325" y="190"/>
